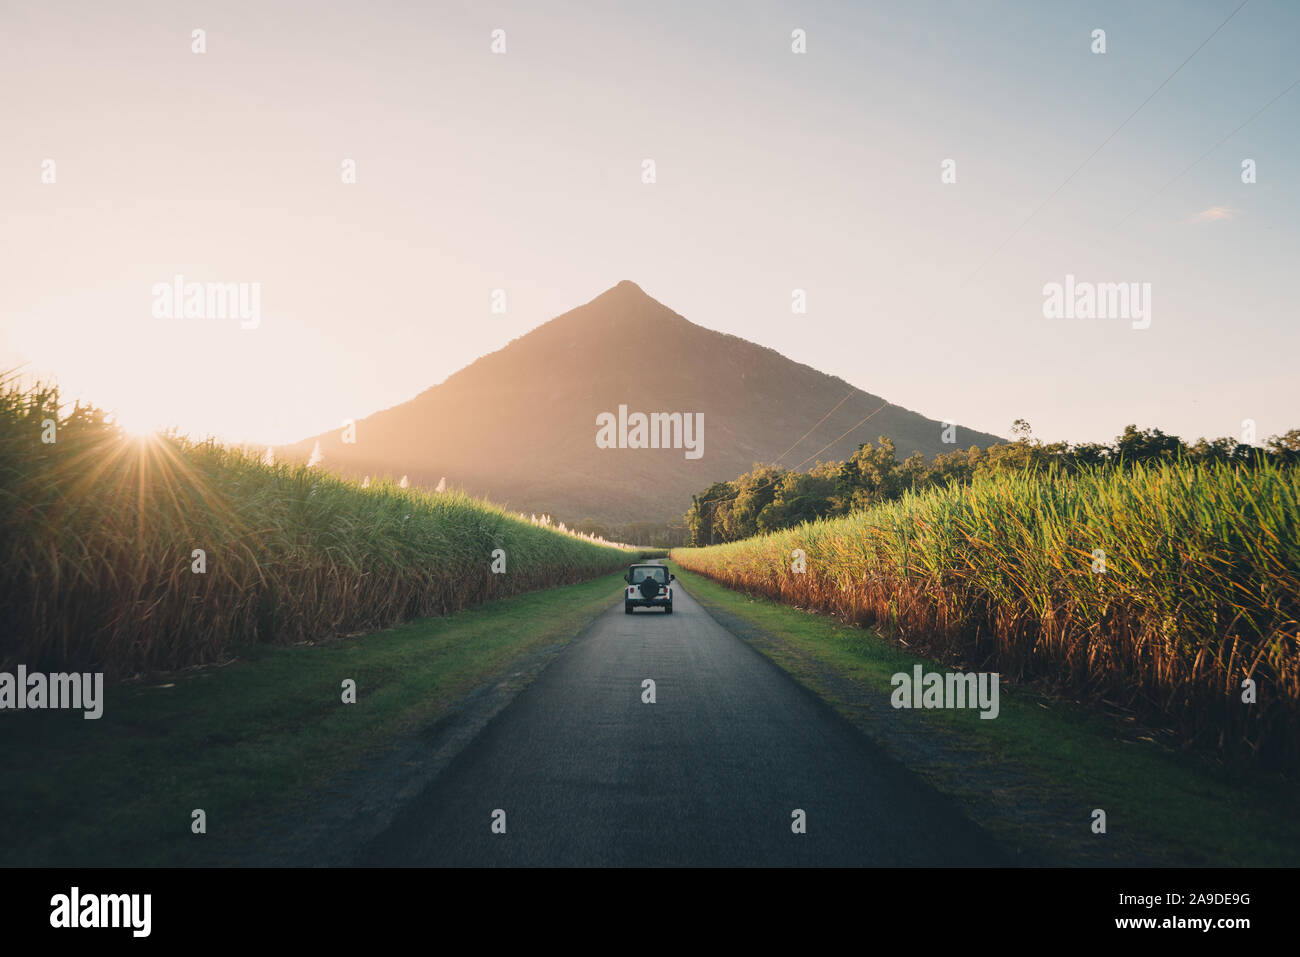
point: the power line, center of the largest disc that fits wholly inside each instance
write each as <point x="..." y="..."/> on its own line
<point x="758" y="488"/>
<point x="819" y="422"/>
<point x="1062" y="186"/>
<point x="1222" y="140"/>
<point x="836" y="439"/>
<point x="1114" y="132"/>
<point x="1039" y="208"/>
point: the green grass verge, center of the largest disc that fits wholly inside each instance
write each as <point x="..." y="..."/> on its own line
<point x="1033" y="776"/>
<point x="250" y="741"/>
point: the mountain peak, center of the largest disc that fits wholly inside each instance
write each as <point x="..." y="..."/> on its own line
<point x="624" y="291"/>
<point x="625" y="302"/>
<point x="519" y="426"/>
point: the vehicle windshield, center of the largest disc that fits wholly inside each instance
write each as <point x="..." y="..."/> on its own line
<point x="658" y="572"/>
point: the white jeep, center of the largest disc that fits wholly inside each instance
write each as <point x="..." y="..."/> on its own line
<point x="649" y="586"/>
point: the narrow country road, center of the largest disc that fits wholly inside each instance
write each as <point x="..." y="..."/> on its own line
<point x="709" y="774"/>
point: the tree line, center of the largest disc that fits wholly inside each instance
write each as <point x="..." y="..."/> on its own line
<point x="772" y="497"/>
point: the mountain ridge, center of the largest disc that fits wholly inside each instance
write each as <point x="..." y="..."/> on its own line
<point x="518" y="425"/>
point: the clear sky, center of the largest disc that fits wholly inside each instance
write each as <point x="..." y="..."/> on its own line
<point x="775" y="171"/>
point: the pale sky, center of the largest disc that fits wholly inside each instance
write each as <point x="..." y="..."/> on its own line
<point x="775" y="171"/>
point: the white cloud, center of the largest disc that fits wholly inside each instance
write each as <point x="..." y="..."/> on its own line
<point x="1214" y="214"/>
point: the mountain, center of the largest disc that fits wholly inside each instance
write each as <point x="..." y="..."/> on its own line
<point x="519" y="426"/>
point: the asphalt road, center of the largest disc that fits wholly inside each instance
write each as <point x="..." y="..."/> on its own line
<point x="710" y="774"/>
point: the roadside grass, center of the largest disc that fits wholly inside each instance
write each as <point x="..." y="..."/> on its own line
<point x="251" y="740"/>
<point x="1033" y="776"/>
